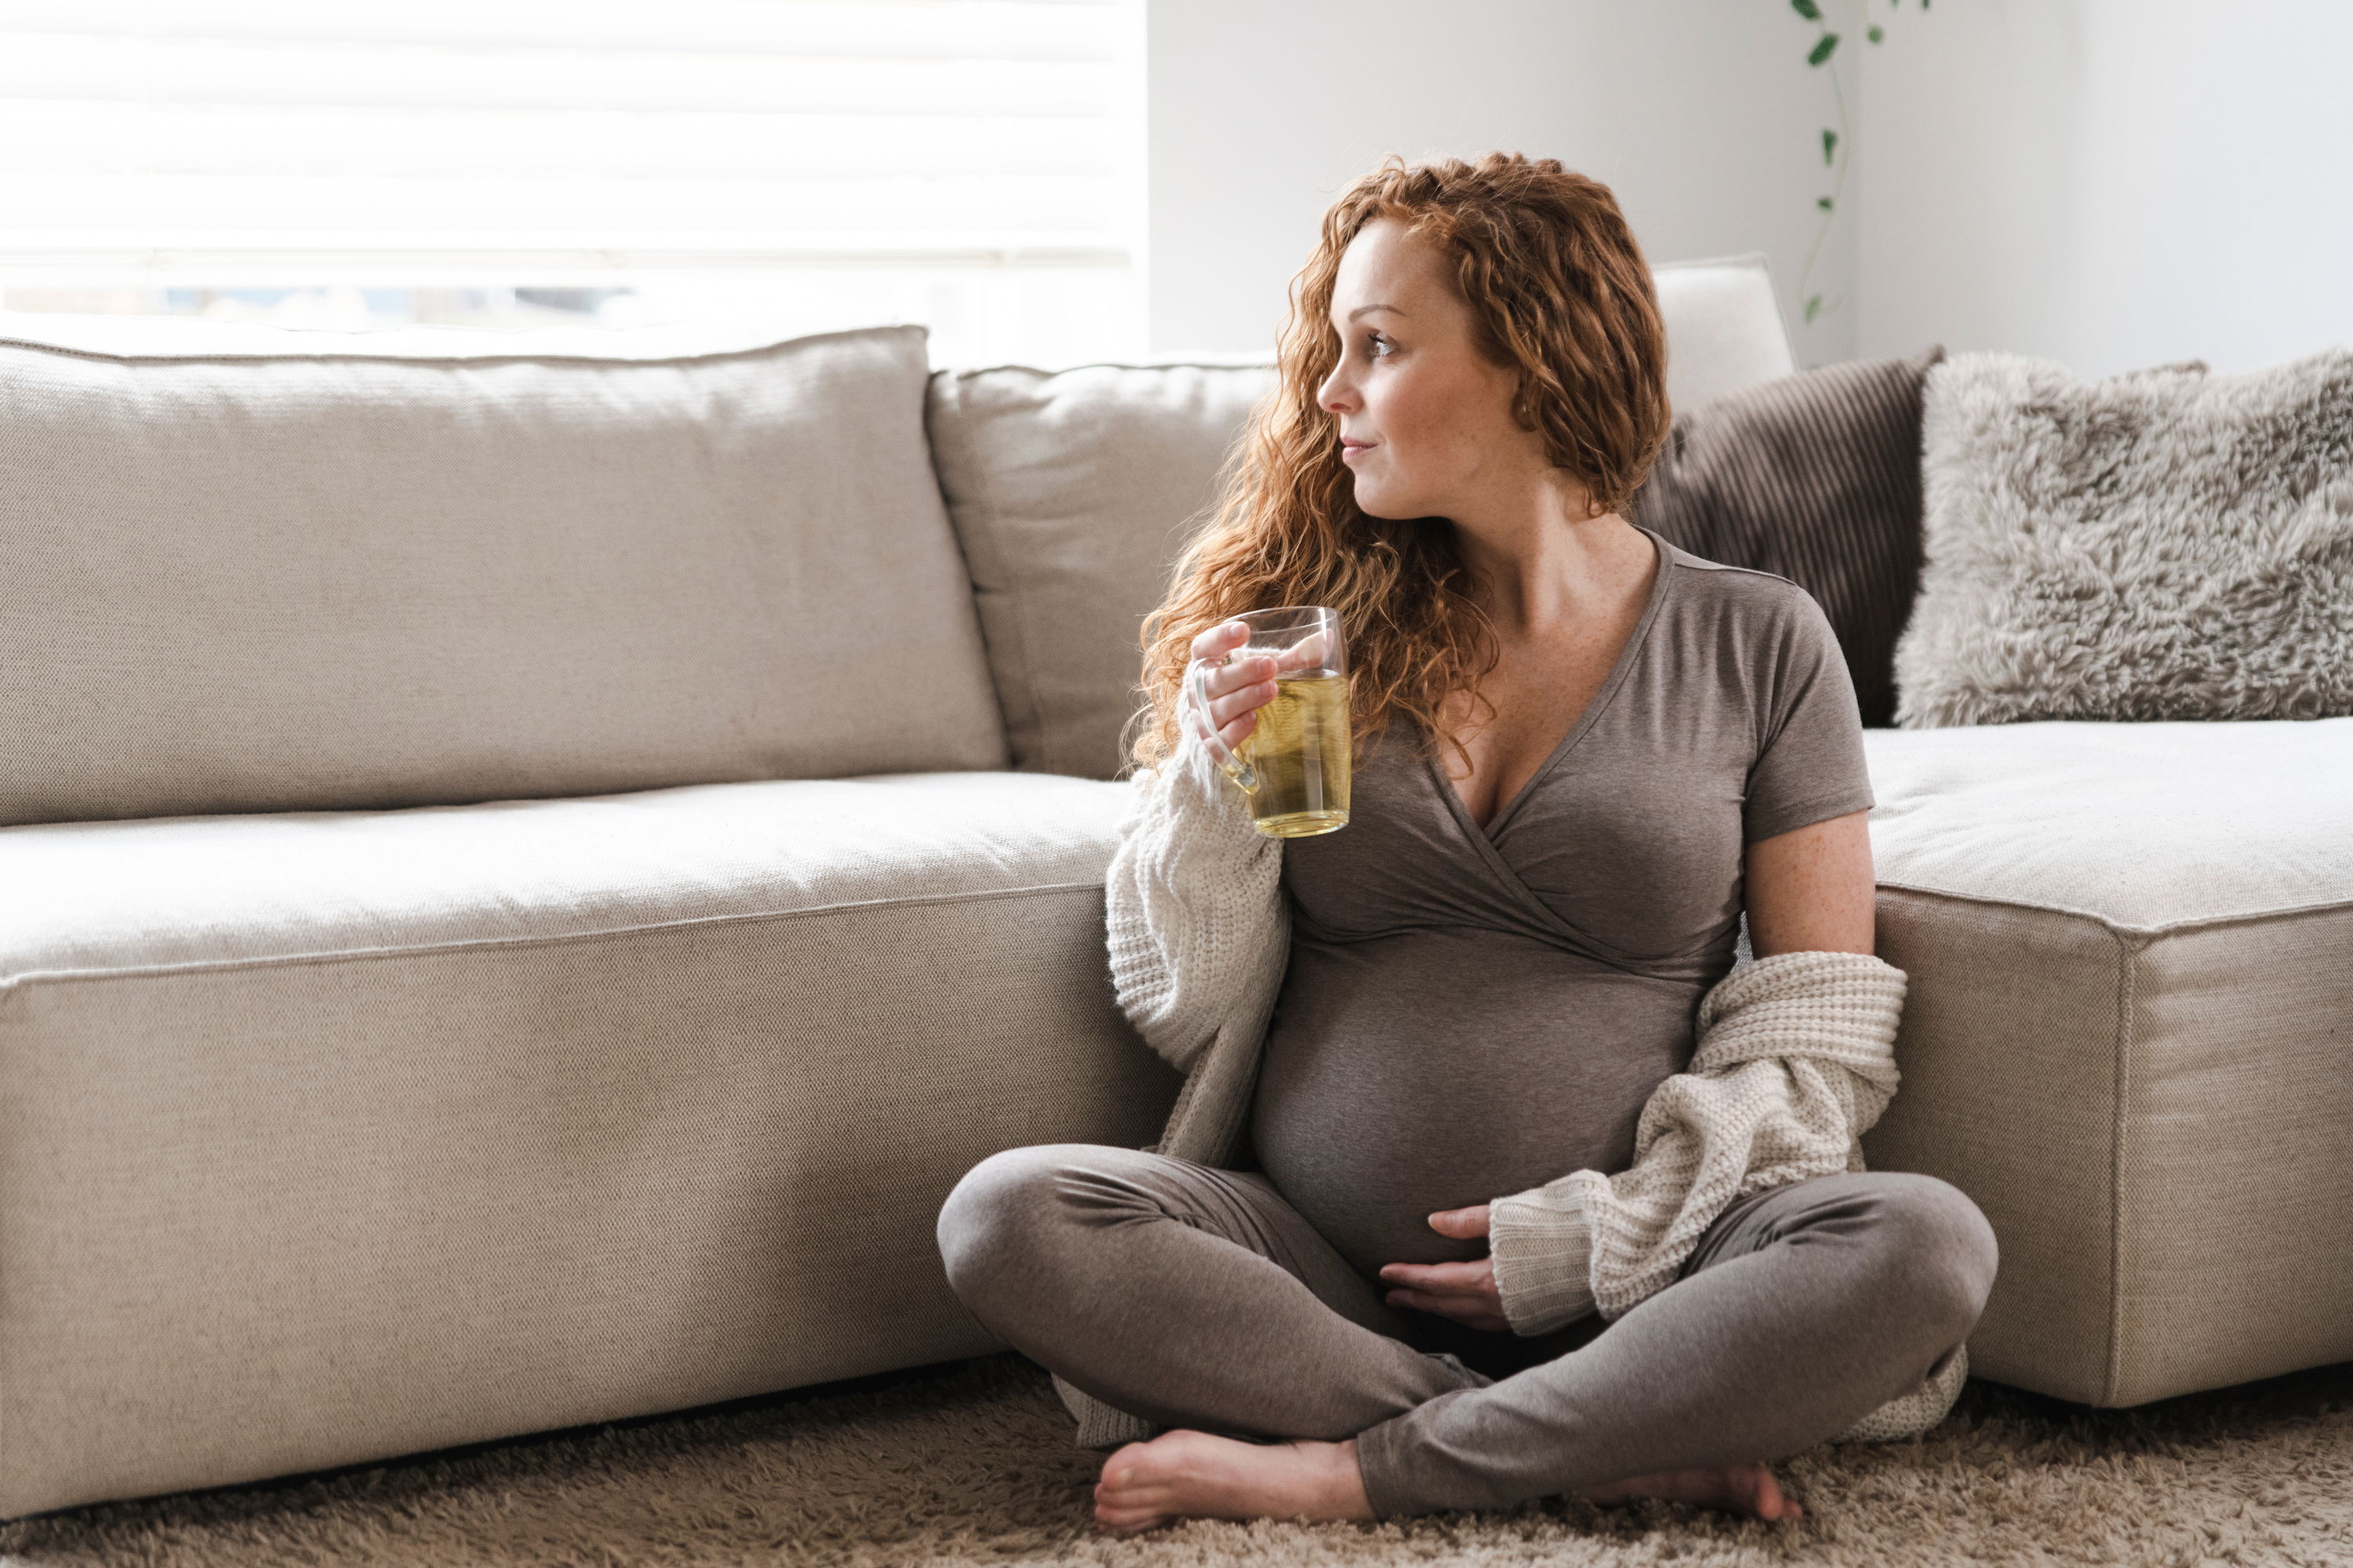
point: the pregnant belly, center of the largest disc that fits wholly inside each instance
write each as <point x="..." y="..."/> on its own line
<point x="1437" y="1069"/>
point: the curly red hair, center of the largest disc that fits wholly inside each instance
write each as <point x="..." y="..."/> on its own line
<point x="1562" y="295"/>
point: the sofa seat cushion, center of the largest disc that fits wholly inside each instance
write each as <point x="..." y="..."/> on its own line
<point x="103" y="897"/>
<point x="329" y="1137"/>
<point x="2129" y="1037"/>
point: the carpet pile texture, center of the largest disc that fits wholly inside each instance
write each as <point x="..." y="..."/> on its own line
<point x="971" y="1463"/>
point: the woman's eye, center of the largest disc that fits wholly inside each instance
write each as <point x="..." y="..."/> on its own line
<point x="1381" y="346"/>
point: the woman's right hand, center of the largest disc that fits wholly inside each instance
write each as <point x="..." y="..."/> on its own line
<point x="1236" y="689"/>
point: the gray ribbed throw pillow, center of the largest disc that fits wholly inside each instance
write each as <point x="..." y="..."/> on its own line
<point x="2163" y="545"/>
<point x="1816" y="478"/>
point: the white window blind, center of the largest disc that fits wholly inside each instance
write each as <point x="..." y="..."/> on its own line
<point x="905" y="158"/>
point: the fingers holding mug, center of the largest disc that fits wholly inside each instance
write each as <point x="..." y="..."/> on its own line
<point x="1213" y="643"/>
<point x="1223" y="723"/>
<point x="1226" y="692"/>
<point x="1226" y="673"/>
<point x="1310" y="653"/>
<point x="1293" y="759"/>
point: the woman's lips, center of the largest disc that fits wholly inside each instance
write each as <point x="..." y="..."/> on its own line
<point x="1349" y="449"/>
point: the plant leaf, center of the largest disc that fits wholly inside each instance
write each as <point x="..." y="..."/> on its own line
<point x="1813" y="308"/>
<point x="1822" y="50"/>
<point x="1822" y="202"/>
<point x="1877" y="33"/>
<point x="1808" y="9"/>
<point x="1830" y="145"/>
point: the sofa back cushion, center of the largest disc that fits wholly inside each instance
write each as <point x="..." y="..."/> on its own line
<point x="266" y="577"/>
<point x="1723" y="327"/>
<point x="1816" y="478"/>
<point x="1074" y="491"/>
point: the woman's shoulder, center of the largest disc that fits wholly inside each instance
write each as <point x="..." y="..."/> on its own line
<point x="1746" y="597"/>
<point x="1766" y="639"/>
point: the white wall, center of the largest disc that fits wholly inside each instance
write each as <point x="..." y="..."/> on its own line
<point x="1701" y="114"/>
<point x="2111" y="183"/>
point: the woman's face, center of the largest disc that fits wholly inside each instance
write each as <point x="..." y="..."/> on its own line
<point x="1425" y="418"/>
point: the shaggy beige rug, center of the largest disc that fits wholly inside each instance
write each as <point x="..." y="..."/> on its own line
<point x="971" y="1463"/>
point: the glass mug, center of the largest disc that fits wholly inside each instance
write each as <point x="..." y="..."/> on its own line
<point x="1294" y="766"/>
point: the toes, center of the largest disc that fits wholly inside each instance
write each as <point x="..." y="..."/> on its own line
<point x="1120" y="1470"/>
<point x="1765" y="1499"/>
<point x="1128" y="1497"/>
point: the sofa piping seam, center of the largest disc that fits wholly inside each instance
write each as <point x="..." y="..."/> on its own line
<point x="2139" y="936"/>
<point x="2127" y="960"/>
<point x="114" y="356"/>
<point x="965" y="372"/>
<point x="475" y="944"/>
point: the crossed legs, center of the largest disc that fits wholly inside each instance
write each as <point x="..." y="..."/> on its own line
<point x="1199" y="1298"/>
<point x="1189" y="1295"/>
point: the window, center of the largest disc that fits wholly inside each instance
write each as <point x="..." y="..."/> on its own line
<point x="977" y="164"/>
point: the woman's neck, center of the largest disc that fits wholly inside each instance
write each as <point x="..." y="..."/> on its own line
<point x="1539" y="561"/>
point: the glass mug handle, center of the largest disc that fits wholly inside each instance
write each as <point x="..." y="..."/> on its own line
<point x="1196" y="681"/>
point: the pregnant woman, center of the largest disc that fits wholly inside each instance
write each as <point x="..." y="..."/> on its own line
<point x="1491" y="1176"/>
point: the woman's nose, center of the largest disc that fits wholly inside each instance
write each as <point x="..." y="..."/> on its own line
<point x="1335" y="395"/>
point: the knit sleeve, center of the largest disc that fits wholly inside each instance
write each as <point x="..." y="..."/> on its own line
<point x="1193" y="902"/>
<point x="1796" y="1061"/>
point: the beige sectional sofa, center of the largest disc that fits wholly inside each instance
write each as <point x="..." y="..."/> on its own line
<point x="527" y="871"/>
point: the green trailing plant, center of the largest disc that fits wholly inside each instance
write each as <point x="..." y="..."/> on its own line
<point x="1837" y="140"/>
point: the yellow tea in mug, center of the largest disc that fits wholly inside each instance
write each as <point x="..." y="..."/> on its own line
<point x="1300" y="750"/>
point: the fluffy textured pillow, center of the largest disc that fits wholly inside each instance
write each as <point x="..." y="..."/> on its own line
<point x="2166" y="544"/>
<point x="1816" y="478"/>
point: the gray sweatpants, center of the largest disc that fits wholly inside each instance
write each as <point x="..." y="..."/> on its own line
<point x="1197" y="1297"/>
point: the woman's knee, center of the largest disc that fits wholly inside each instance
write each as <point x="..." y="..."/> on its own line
<point x="997" y="1218"/>
<point x="1939" y="1248"/>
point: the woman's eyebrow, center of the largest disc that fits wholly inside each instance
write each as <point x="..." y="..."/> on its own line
<point x="1367" y="309"/>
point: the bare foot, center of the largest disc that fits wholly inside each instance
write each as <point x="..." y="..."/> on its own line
<point x="1186" y="1474"/>
<point x="1734" y="1488"/>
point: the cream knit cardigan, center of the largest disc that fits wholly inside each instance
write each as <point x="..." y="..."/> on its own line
<point x="1795" y="1061"/>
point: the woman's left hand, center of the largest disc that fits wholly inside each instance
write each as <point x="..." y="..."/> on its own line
<point x="1463" y="1291"/>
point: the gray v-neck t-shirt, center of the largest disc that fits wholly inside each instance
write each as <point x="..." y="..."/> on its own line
<point x="1469" y="1013"/>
